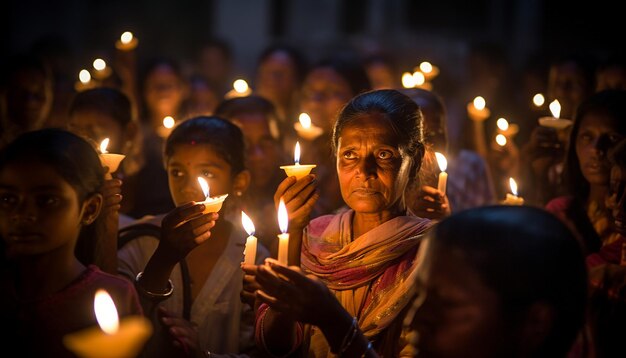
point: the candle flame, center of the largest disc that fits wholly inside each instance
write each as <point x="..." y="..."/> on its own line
<point x="296" y="153"/>
<point x="168" y="122"/>
<point x="240" y="86"/>
<point x="103" y="145"/>
<point x="84" y="76"/>
<point x="479" y="103"/>
<point x="204" y="186"/>
<point x="555" y="108"/>
<point x="441" y="161"/>
<point x="503" y="124"/>
<point x="126" y="37"/>
<point x="283" y="217"/>
<point x="407" y="80"/>
<point x="248" y="225"/>
<point x="501" y="140"/>
<point x="513" y="186"/>
<point x="418" y="78"/>
<point x="305" y="120"/>
<point x="106" y="313"/>
<point x="99" y="64"/>
<point x="539" y="100"/>
<point x="426" y="67"/>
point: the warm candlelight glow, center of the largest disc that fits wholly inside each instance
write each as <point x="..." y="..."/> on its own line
<point x="204" y="186"/>
<point x="297" y="170"/>
<point x="539" y="100"/>
<point x="103" y="145"/>
<point x="296" y="154"/>
<point x="501" y="140"/>
<point x="84" y="76"/>
<point x="513" y="186"/>
<point x="418" y="78"/>
<point x="441" y="161"/>
<point x="479" y="103"/>
<point x="555" y="108"/>
<point x="283" y="238"/>
<point x="126" y="37"/>
<point x="502" y="124"/>
<point x="247" y="223"/>
<point x="99" y="64"/>
<point x="283" y="217"/>
<point x="240" y="86"/>
<point x="443" y="176"/>
<point x="168" y="122"/>
<point x="408" y="81"/>
<point x="249" y="251"/>
<point x="106" y="313"/>
<point x="305" y="120"/>
<point x="426" y="67"/>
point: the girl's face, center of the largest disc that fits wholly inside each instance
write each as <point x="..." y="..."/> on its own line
<point x="324" y="93"/>
<point x="373" y="172"/>
<point x="190" y="161"/>
<point x="597" y="134"/>
<point x="455" y="314"/>
<point x="40" y="212"/>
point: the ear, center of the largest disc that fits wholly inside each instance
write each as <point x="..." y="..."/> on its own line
<point x="241" y="181"/>
<point x="91" y="209"/>
<point x="537" y="326"/>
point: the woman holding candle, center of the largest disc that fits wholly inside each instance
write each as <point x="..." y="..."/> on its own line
<point x="49" y="195"/>
<point x="366" y="255"/>
<point x="189" y="265"/>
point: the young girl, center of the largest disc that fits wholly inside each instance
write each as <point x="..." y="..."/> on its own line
<point x="49" y="192"/>
<point x="200" y="254"/>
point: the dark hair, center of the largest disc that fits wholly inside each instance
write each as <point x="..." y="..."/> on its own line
<point x="109" y="101"/>
<point x="526" y="255"/>
<point x="236" y="106"/>
<point x="224" y="137"/>
<point x="401" y="112"/>
<point x="350" y="70"/>
<point x="296" y="57"/>
<point x="221" y="44"/>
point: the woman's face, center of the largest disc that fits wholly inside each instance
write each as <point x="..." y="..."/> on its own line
<point x="596" y="135"/>
<point x="455" y="314"/>
<point x="97" y="126"/>
<point x="164" y="92"/>
<point x="277" y="77"/>
<point x="190" y="161"/>
<point x="324" y="93"/>
<point x="373" y="169"/>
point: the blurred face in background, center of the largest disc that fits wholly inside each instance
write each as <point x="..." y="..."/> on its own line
<point x="164" y="92"/>
<point x="277" y="78"/>
<point x="28" y="99"/>
<point x="324" y="93"/>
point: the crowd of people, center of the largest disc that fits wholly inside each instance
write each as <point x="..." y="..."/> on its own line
<point x="382" y="261"/>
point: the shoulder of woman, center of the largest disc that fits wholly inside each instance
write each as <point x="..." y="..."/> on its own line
<point x="320" y="223"/>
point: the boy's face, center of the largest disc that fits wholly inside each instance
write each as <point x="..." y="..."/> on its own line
<point x="617" y="198"/>
<point x="190" y="161"/>
<point x="97" y="126"/>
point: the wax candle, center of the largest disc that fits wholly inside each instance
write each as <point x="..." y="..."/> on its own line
<point x="443" y="176"/>
<point x="102" y="71"/>
<point x="251" y="242"/>
<point x="112" y="338"/>
<point x="554" y="121"/>
<point x="283" y="238"/>
<point x="501" y="140"/>
<point x="305" y="127"/>
<point x="477" y="109"/>
<point x="211" y="204"/>
<point x="429" y="70"/>
<point x="110" y="160"/>
<point x="539" y="100"/>
<point x="240" y="89"/>
<point x="408" y="81"/>
<point x="419" y="81"/>
<point x="507" y="129"/>
<point x="84" y="81"/>
<point x="512" y="198"/>
<point x="298" y="170"/>
<point x="166" y="128"/>
<point x="127" y="42"/>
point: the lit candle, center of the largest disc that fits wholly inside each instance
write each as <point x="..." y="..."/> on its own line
<point x="84" y="81"/>
<point x="509" y="130"/>
<point x="420" y="81"/>
<point x="501" y="140"/>
<point x="112" y="338"/>
<point x="538" y="100"/>
<point x="298" y="170"/>
<point x="164" y="130"/>
<point x="110" y="160"/>
<point x="283" y="238"/>
<point x="251" y="242"/>
<point x="240" y="89"/>
<point x="512" y="198"/>
<point x="477" y="109"/>
<point x="408" y="81"/>
<point x="554" y="121"/>
<point x="443" y="176"/>
<point x="127" y="42"/>
<point x="429" y="70"/>
<point x="102" y="70"/>
<point x="305" y="127"/>
<point x="211" y="204"/>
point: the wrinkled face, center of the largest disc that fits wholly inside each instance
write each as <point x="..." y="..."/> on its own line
<point x="324" y="93"/>
<point x="373" y="169"/>
<point x="190" y="161"/>
<point x="617" y="198"/>
<point x="29" y="99"/>
<point x="164" y="92"/>
<point x="40" y="212"/>
<point x="263" y="150"/>
<point x="455" y="314"/>
<point x="97" y="126"/>
<point x="596" y="136"/>
<point x="277" y="77"/>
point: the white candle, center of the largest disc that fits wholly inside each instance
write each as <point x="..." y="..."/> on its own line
<point x="305" y="127"/>
<point x="110" y="160"/>
<point x="443" y="176"/>
<point x="297" y="170"/>
<point x="283" y="238"/>
<point x="211" y="204"/>
<point x="554" y="121"/>
<point x="102" y="70"/>
<point x="513" y="199"/>
<point x="251" y="241"/>
<point x="126" y="42"/>
<point x="240" y="89"/>
<point x="477" y="109"/>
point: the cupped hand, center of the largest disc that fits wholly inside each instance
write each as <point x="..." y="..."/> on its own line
<point x="250" y="285"/>
<point x="112" y="194"/>
<point x="184" y="333"/>
<point x="186" y="227"/>
<point x="430" y="203"/>
<point x="299" y="197"/>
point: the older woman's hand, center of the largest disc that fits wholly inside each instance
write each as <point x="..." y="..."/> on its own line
<point x="299" y="197"/>
<point x="430" y="203"/>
